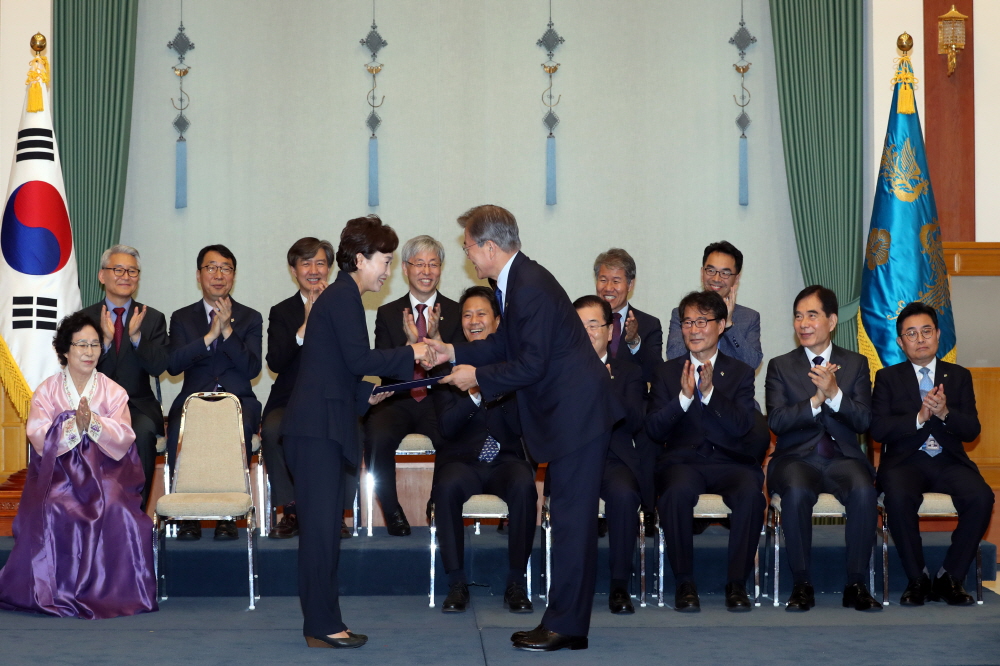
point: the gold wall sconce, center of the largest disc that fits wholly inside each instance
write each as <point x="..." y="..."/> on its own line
<point x="951" y="36"/>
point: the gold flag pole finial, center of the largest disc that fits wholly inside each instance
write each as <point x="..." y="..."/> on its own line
<point x="38" y="73"/>
<point x="904" y="75"/>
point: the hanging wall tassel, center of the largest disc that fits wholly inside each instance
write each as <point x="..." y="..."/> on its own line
<point x="181" y="174"/>
<point x="744" y="173"/>
<point x="550" y="171"/>
<point x="373" y="171"/>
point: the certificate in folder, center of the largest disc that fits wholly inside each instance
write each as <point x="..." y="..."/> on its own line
<point x="426" y="382"/>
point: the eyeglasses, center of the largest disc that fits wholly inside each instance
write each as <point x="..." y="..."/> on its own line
<point x="433" y="266"/>
<point x="725" y="273"/>
<point x="925" y="333"/>
<point x="466" y="247"/>
<point x="594" y="328"/>
<point x="701" y="322"/>
<point x="84" y="346"/>
<point x="212" y="268"/>
<point x="121" y="272"/>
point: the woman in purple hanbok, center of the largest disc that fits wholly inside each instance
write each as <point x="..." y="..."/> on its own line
<point x="82" y="546"/>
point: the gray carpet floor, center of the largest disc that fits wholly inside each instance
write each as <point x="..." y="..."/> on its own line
<point x="403" y="630"/>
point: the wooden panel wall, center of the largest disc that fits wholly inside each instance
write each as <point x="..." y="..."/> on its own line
<point x="13" y="442"/>
<point x="949" y="124"/>
<point x="985" y="451"/>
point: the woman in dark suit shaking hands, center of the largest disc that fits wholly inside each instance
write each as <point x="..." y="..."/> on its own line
<point x="320" y="425"/>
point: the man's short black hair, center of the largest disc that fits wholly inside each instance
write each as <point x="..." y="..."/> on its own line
<point x="596" y="301"/>
<point x="915" y="308"/>
<point x="482" y="292"/>
<point x="706" y="302"/>
<point x="725" y="247"/>
<point x="827" y="299"/>
<point x="221" y="249"/>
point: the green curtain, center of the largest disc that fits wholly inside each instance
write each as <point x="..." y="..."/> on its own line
<point x="93" y="63"/>
<point x="818" y="53"/>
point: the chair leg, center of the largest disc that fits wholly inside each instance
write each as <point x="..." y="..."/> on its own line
<point x="885" y="559"/>
<point x="979" y="573"/>
<point x="370" y="490"/>
<point x="357" y="511"/>
<point x="776" y="535"/>
<point x="642" y="558"/>
<point x="251" y="558"/>
<point x="265" y="504"/>
<point x="662" y="545"/>
<point x="756" y="576"/>
<point x="430" y="594"/>
<point x="871" y="570"/>
<point x="529" y="575"/>
<point x="159" y="543"/>
<point x="547" y="534"/>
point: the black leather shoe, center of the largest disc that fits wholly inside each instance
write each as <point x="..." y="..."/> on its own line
<point x="515" y="598"/>
<point x="737" y="600"/>
<point x="286" y="528"/>
<point x="917" y="592"/>
<point x="352" y="641"/>
<point x="396" y="523"/>
<point x="225" y="530"/>
<point x="858" y="597"/>
<point x="949" y="590"/>
<point x="619" y="602"/>
<point x="457" y="600"/>
<point x="543" y="640"/>
<point x="686" y="598"/>
<point x="188" y="530"/>
<point x="602" y="527"/>
<point x="802" y="598"/>
<point x="518" y="635"/>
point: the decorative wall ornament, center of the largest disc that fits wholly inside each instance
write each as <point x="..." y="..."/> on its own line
<point x="181" y="45"/>
<point x="550" y="41"/>
<point x="742" y="41"/>
<point x="374" y="43"/>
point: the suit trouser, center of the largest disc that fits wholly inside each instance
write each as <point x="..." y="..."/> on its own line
<point x="319" y="500"/>
<point x="386" y="426"/>
<point x="508" y="477"/>
<point x="575" y="485"/>
<point x="904" y="485"/>
<point x="251" y="422"/>
<point x="620" y="492"/>
<point x="272" y="447"/>
<point x="741" y="488"/>
<point x="146" y="433"/>
<point x="799" y="481"/>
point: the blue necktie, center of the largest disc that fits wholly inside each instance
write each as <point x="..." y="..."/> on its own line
<point x="499" y="295"/>
<point x="491" y="448"/>
<point x="930" y="447"/>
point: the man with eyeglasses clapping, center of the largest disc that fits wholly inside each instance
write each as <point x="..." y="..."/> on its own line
<point x="216" y="342"/>
<point x="134" y="349"/>
<point x="721" y="267"/>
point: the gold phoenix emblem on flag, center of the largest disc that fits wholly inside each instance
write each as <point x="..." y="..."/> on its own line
<point x="878" y="247"/>
<point x="936" y="292"/>
<point x="901" y="172"/>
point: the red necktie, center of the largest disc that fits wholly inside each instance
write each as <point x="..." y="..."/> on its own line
<point x="419" y="394"/>
<point x="119" y="327"/>
<point x="616" y="334"/>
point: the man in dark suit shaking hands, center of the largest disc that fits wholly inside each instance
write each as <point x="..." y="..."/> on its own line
<point x="818" y="402"/>
<point x="542" y="351"/>
<point x="216" y="342"/>
<point x="135" y="349"/>
<point x="922" y="411"/>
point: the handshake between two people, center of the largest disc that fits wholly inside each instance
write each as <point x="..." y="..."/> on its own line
<point x="430" y="353"/>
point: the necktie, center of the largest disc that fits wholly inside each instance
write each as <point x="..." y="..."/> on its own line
<point x="419" y="394"/>
<point x="616" y="334"/>
<point x="119" y="327"/>
<point x="697" y="383"/>
<point x="930" y="447"/>
<point x="491" y="448"/>
<point x="499" y="295"/>
<point x="826" y="447"/>
<point x="211" y="320"/>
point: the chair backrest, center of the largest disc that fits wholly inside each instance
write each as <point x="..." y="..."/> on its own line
<point x="211" y="457"/>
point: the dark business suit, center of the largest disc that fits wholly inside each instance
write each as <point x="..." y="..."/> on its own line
<point x="390" y="421"/>
<point x="132" y="368"/>
<point x="233" y="364"/>
<point x="906" y="472"/>
<point x="710" y="448"/>
<point x="627" y="480"/>
<point x="650" y="352"/>
<point x="321" y="434"/>
<point x="797" y="471"/>
<point x="459" y="474"/>
<point x="564" y="399"/>
<point x="740" y="341"/>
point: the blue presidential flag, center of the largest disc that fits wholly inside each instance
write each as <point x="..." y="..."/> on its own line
<point x="38" y="278"/>
<point x="904" y="261"/>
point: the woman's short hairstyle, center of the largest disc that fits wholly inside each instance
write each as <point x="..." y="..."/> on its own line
<point x="482" y="292"/>
<point x="121" y="249"/>
<point x="306" y="248"/>
<point x="418" y="244"/>
<point x="616" y="258"/>
<point x="366" y="235"/>
<point x="68" y="327"/>
<point x="492" y="223"/>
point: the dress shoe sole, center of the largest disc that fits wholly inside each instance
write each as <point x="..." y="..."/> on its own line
<point x="275" y="535"/>
<point x="519" y="609"/>
<point x="188" y="537"/>
<point x="226" y="537"/>
<point x="739" y="609"/>
<point x="910" y="603"/>
<point x="346" y="643"/>
<point x="798" y="609"/>
<point x="577" y="644"/>
<point x="687" y="609"/>
<point x="964" y="602"/>
<point x="399" y="533"/>
<point x="452" y="609"/>
<point x="623" y="611"/>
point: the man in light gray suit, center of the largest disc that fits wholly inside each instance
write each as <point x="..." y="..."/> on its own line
<point x="721" y="265"/>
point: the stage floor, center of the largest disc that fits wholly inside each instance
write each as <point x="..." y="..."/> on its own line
<point x="403" y="630"/>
